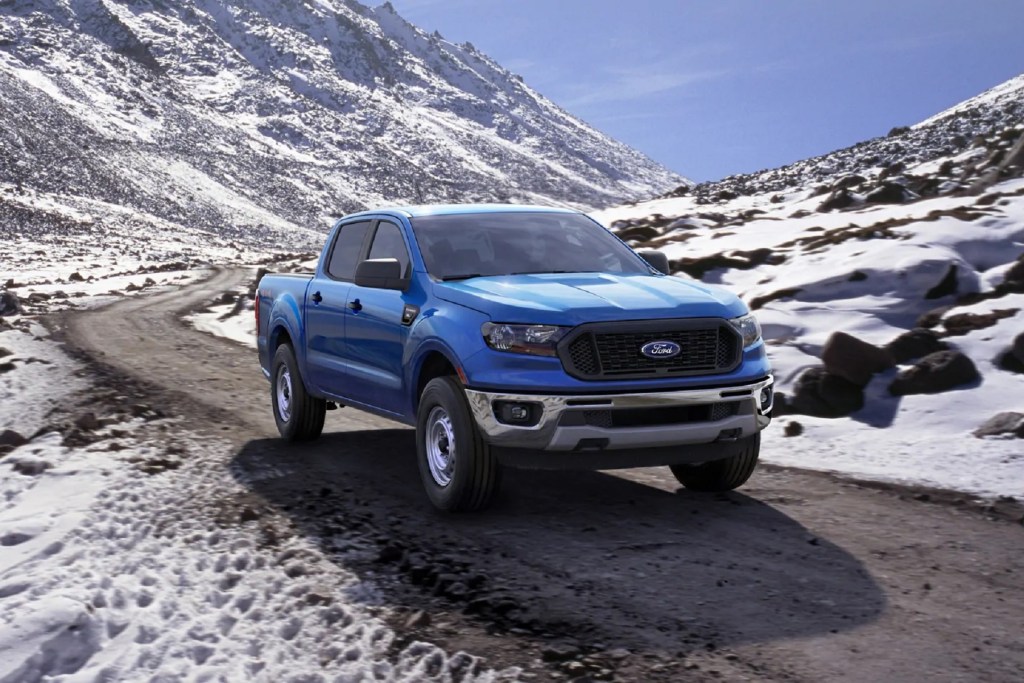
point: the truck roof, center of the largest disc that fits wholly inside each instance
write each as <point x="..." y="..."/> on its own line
<point x="452" y="209"/>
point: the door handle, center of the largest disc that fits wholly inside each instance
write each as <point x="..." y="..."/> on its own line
<point x="316" y="297"/>
<point x="355" y="305"/>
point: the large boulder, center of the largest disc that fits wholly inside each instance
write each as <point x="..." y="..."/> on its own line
<point x="853" y="359"/>
<point x="889" y="193"/>
<point x="935" y="373"/>
<point x="821" y="394"/>
<point x="1018" y="347"/>
<point x="1002" y="423"/>
<point x="10" y="304"/>
<point x="915" y="343"/>
<point x="840" y="199"/>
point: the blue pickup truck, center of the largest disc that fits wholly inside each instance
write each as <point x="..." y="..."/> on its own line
<point x="516" y="336"/>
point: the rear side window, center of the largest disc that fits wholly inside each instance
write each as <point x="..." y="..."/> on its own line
<point x="347" y="248"/>
<point x="388" y="243"/>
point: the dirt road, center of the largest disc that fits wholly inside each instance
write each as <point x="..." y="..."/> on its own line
<point x="799" y="576"/>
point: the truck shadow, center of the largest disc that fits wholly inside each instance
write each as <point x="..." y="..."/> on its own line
<point x="570" y="552"/>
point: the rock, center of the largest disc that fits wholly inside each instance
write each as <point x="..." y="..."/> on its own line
<point x="821" y="394"/>
<point x="559" y="652"/>
<point x="888" y="193"/>
<point x="841" y="199"/>
<point x="915" y="343"/>
<point x="793" y="428"/>
<point x="5" y="352"/>
<point x="6" y="367"/>
<point x="947" y="286"/>
<point x="9" y="437"/>
<point x="10" y="304"/>
<point x="76" y="277"/>
<point x="390" y="553"/>
<point x="87" y="422"/>
<point x="963" y="323"/>
<point x="31" y="467"/>
<point x="132" y="287"/>
<point x="1018" y="347"/>
<point x="853" y="359"/>
<point x="848" y="181"/>
<point x="418" y="619"/>
<point x="1016" y="272"/>
<point x="935" y="373"/>
<point x="932" y="318"/>
<point x="1002" y="423"/>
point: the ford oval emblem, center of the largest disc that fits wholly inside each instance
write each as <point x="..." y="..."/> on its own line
<point x="660" y="349"/>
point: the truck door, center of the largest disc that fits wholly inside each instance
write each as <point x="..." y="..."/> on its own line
<point x="326" y="298"/>
<point x="374" y="334"/>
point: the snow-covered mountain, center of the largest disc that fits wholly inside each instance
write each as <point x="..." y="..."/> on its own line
<point x="259" y="119"/>
<point x="913" y="244"/>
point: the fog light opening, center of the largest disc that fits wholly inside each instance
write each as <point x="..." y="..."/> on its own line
<point x="766" y="398"/>
<point x="517" y="413"/>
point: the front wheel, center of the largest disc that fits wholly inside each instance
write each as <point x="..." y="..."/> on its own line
<point x="299" y="416"/>
<point x="459" y="472"/>
<point x="721" y="475"/>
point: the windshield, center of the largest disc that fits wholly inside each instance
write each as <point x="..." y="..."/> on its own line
<point x="461" y="246"/>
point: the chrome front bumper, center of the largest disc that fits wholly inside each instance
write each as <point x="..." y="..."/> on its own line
<point x="555" y="432"/>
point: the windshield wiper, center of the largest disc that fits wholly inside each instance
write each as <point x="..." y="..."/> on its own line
<point x="449" y="278"/>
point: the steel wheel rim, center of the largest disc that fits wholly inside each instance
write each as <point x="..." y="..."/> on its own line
<point x="284" y="394"/>
<point x="440" y="443"/>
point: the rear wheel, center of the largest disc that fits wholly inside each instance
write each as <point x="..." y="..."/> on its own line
<point x="721" y="475"/>
<point x="458" y="470"/>
<point x="299" y="416"/>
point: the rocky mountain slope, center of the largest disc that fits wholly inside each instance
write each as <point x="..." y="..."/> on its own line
<point x="261" y="120"/>
<point x="889" y="279"/>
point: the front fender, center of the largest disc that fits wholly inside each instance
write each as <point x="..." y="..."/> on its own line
<point x="452" y="331"/>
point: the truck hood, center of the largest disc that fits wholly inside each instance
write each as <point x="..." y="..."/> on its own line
<point x="574" y="298"/>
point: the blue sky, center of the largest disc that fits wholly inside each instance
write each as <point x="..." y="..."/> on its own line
<point x="715" y="87"/>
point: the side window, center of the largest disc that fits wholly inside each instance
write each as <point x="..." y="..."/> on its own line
<point x="388" y="243"/>
<point x="347" y="248"/>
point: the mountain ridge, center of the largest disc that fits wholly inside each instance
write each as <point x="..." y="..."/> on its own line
<point x="248" y="116"/>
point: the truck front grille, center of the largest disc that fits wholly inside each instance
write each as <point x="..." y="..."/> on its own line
<point x="618" y="418"/>
<point x="612" y="350"/>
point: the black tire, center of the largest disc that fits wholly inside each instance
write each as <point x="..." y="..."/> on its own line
<point x="299" y="416"/>
<point x="475" y="475"/>
<point x="721" y="475"/>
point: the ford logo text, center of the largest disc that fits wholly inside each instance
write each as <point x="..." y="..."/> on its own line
<point x="660" y="349"/>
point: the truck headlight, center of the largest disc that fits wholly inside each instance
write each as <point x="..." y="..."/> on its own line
<point x="536" y="340"/>
<point x="749" y="329"/>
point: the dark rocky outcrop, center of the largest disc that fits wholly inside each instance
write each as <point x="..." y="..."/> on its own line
<point x="9" y="437"/>
<point x="840" y="199"/>
<point x="889" y="193"/>
<point x="915" y="343"/>
<point x="10" y="304"/>
<point x="946" y="287"/>
<point x="853" y="359"/>
<point x="964" y="323"/>
<point x="821" y="394"/>
<point x="935" y="373"/>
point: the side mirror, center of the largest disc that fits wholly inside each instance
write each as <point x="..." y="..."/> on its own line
<point x="381" y="273"/>
<point x="657" y="260"/>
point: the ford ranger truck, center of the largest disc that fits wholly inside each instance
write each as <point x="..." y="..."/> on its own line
<point x="516" y="336"/>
